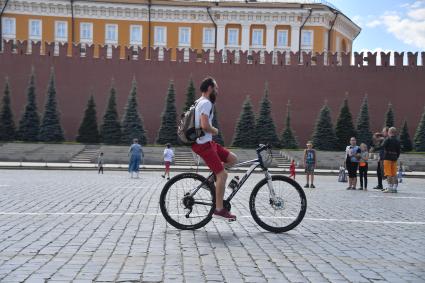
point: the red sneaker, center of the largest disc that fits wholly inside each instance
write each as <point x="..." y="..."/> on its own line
<point x="224" y="214"/>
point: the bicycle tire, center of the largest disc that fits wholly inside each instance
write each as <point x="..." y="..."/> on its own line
<point x="301" y="213"/>
<point x="166" y="189"/>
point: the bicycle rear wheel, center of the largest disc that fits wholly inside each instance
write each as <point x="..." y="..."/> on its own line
<point x="183" y="208"/>
<point x="285" y="211"/>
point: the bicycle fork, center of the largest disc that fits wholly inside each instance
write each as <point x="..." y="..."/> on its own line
<point x="270" y="186"/>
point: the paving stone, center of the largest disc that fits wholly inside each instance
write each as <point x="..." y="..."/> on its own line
<point x="76" y="226"/>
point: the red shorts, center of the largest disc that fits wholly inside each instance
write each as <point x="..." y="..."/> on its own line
<point x="213" y="155"/>
<point x="167" y="165"/>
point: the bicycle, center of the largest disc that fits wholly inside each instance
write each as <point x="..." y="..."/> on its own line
<point x="187" y="201"/>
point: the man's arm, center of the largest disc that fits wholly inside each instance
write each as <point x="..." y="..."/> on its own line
<point x="205" y="125"/>
<point x="380" y="145"/>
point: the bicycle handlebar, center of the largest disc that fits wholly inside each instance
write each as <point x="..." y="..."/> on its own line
<point x="263" y="147"/>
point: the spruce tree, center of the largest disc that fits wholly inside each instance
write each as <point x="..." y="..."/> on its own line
<point x="405" y="141"/>
<point x="324" y="137"/>
<point x="419" y="139"/>
<point x="218" y="138"/>
<point x="289" y="141"/>
<point x="265" y="127"/>
<point x="245" y="135"/>
<point x="344" y="128"/>
<point x="51" y="129"/>
<point x="29" y="125"/>
<point x="7" y="125"/>
<point x="364" y="135"/>
<point x="190" y="96"/>
<point x="132" y="123"/>
<point x="88" y="131"/>
<point x="168" y="131"/>
<point x="111" y="128"/>
<point x="389" y="116"/>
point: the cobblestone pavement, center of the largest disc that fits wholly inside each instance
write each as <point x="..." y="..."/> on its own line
<point x="77" y="226"/>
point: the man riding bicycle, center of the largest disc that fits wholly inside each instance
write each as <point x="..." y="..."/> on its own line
<point x="213" y="154"/>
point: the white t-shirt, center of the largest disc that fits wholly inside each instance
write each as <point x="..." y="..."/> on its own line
<point x="168" y="154"/>
<point x="204" y="106"/>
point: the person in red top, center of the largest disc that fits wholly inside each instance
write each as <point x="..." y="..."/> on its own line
<point x="214" y="155"/>
<point x="292" y="169"/>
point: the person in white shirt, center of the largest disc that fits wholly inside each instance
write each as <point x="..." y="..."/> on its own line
<point x="168" y="158"/>
<point x="215" y="156"/>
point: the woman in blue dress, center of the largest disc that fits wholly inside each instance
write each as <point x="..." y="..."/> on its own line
<point x="136" y="154"/>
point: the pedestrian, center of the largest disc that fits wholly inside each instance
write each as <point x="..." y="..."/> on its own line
<point x="310" y="162"/>
<point x="400" y="172"/>
<point x="292" y="169"/>
<point x="168" y="158"/>
<point x="392" y="149"/>
<point x="378" y="141"/>
<point x="100" y="163"/>
<point x="363" y="166"/>
<point x="216" y="157"/>
<point x="136" y="154"/>
<point x="352" y="153"/>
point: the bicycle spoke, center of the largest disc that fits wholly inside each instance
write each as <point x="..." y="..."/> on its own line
<point x="185" y="205"/>
<point x="284" y="211"/>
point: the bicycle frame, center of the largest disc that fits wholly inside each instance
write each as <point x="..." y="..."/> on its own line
<point x="254" y="164"/>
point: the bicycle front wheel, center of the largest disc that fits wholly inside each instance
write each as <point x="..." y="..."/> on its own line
<point x="280" y="213"/>
<point x="187" y="201"/>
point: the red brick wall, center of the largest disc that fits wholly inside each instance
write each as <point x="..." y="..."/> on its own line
<point x="307" y="87"/>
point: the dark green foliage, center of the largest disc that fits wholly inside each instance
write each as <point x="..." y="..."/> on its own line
<point x="364" y="135"/>
<point x="7" y="125"/>
<point x="88" y="131"/>
<point x="29" y="125"/>
<point x="324" y="137"/>
<point x="289" y="140"/>
<point x="344" y="128"/>
<point x="132" y="123"/>
<point x="405" y="141"/>
<point x="245" y="127"/>
<point x="168" y="131"/>
<point x="51" y="129"/>
<point x="389" y="116"/>
<point x="111" y="128"/>
<point x="265" y="127"/>
<point x="218" y="138"/>
<point x="419" y="139"/>
<point x="190" y="96"/>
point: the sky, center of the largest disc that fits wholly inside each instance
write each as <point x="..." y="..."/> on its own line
<point x="388" y="25"/>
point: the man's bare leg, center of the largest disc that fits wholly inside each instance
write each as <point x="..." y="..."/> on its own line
<point x="231" y="160"/>
<point x="219" y="189"/>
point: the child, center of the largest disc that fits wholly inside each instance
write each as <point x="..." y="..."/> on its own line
<point x="391" y="148"/>
<point x="168" y="157"/>
<point x="363" y="166"/>
<point x="400" y="173"/>
<point x="309" y="163"/>
<point x="342" y="176"/>
<point x="292" y="169"/>
<point x="100" y="163"/>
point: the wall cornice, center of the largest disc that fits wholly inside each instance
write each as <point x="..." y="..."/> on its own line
<point x="174" y="14"/>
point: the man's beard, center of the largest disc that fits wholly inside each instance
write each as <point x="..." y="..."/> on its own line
<point x="213" y="96"/>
